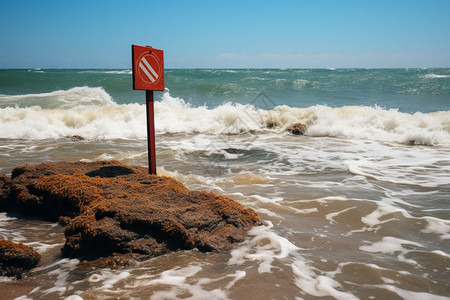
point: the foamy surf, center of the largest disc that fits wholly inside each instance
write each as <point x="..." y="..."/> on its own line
<point x="76" y="97"/>
<point x="93" y="114"/>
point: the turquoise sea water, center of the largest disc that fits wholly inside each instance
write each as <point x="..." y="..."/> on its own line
<point x="408" y="90"/>
<point x="356" y="208"/>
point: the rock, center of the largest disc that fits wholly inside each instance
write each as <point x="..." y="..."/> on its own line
<point x="5" y="183"/>
<point x="120" y="211"/>
<point x="297" y="129"/>
<point x="16" y="259"/>
<point x="78" y="137"/>
<point x="49" y="191"/>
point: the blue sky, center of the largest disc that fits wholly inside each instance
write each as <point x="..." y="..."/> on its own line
<point x="226" y="34"/>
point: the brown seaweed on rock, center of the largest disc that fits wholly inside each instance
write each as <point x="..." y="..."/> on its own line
<point x="120" y="211"/>
<point x="16" y="259"/>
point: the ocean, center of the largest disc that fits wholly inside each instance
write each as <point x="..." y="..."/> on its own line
<point x="356" y="208"/>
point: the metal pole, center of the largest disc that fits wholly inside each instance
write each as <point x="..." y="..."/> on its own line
<point x="150" y="133"/>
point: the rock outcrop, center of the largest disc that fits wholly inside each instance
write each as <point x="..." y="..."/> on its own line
<point x="16" y="259"/>
<point x="120" y="212"/>
<point x="5" y="183"/>
<point x="297" y="129"/>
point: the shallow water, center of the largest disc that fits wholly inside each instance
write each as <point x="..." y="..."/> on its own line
<point x="343" y="218"/>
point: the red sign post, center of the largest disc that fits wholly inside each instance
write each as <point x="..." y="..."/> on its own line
<point x="148" y="75"/>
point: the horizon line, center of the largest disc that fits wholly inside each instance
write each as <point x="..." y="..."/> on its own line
<point x="223" y="68"/>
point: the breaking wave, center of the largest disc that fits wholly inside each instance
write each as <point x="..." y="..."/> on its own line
<point x="92" y="113"/>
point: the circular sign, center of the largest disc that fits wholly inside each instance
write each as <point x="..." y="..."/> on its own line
<point x="149" y="68"/>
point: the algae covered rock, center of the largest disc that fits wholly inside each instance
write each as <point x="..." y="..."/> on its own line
<point x="16" y="259"/>
<point x="5" y="183"/>
<point x="113" y="210"/>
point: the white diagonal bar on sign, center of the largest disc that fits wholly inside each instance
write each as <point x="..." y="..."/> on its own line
<point x="146" y="72"/>
<point x="150" y="67"/>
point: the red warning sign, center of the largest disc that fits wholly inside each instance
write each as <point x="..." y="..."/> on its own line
<point x="148" y="68"/>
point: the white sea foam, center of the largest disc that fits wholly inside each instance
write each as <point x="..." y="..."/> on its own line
<point x="374" y="123"/>
<point x="438" y="226"/>
<point x="383" y="209"/>
<point x="59" y="273"/>
<point x="177" y="281"/>
<point x="410" y="295"/>
<point x="61" y="99"/>
<point x="109" y="283"/>
<point x="264" y="247"/>
<point x="373" y="220"/>
<point x="392" y="245"/>
<point x="399" y="165"/>
<point x="432" y="75"/>
<point x="300" y="83"/>
<point x="389" y="245"/>
<point x="73" y="297"/>
<point x="98" y="122"/>
<point x="317" y="285"/>
<point x="330" y="216"/>
<point x="43" y="247"/>
<point x="92" y="113"/>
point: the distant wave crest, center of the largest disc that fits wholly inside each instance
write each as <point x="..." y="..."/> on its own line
<point x="432" y="75"/>
<point x="62" y="99"/>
